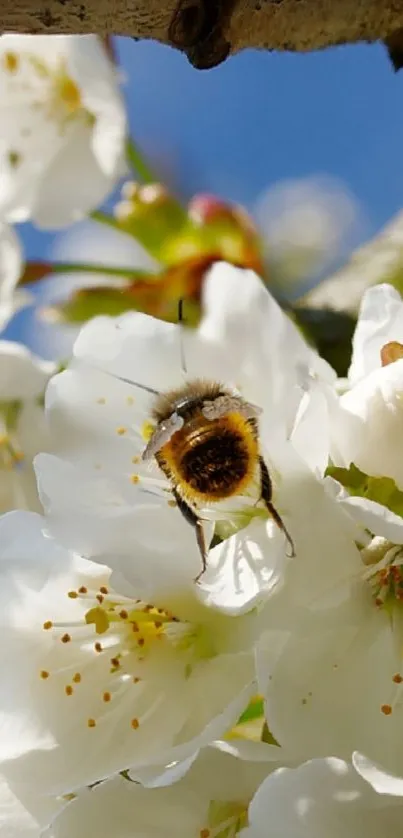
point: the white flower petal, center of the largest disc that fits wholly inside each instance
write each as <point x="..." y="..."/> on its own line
<point x="314" y="411"/>
<point x="320" y="798"/>
<point x="64" y="123"/>
<point x="213" y="796"/>
<point x="23" y="815"/>
<point x="376" y="518"/>
<point x="380" y="780"/>
<point x="245" y="568"/>
<point x="366" y="430"/>
<point x="22" y="424"/>
<point x="106" y="519"/>
<point x="336" y="685"/>
<point x="22" y="374"/>
<point x="135" y="346"/>
<point x="87" y="695"/>
<point x="86" y="188"/>
<point x="380" y="321"/>
<point x="233" y="299"/>
<point x="95" y="75"/>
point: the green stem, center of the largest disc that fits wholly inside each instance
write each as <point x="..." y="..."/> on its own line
<point x="138" y="163"/>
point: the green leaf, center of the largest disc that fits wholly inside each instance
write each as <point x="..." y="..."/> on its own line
<point x="254" y="710"/>
<point x="382" y="490"/>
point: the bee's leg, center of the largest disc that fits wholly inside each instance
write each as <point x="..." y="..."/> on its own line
<point x="191" y="517"/>
<point x="266" y="495"/>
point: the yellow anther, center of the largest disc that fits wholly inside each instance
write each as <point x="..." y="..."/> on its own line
<point x="99" y="618"/>
<point x="11" y="62"/>
<point x="69" y="93"/>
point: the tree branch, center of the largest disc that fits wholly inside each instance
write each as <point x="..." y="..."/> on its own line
<point x="209" y="30"/>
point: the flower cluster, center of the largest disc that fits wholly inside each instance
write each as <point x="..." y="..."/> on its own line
<point x="142" y="697"/>
<point x="201" y="551"/>
<point x="63" y="133"/>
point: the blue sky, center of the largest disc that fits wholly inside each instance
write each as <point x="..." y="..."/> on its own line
<point x="262" y="117"/>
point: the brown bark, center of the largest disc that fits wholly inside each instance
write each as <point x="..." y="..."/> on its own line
<point x="209" y="30"/>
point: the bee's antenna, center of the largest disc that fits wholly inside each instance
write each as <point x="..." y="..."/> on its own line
<point x="182" y="348"/>
<point x="133" y="383"/>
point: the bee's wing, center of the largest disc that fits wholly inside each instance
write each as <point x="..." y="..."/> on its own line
<point x="162" y="435"/>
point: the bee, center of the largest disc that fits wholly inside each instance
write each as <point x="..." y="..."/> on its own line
<point x="206" y="442"/>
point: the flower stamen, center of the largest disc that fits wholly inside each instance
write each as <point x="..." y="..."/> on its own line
<point x="132" y="631"/>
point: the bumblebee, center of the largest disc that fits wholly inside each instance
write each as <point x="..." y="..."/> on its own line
<point x="206" y="441"/>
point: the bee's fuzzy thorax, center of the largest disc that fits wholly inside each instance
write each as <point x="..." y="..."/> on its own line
<point x="185" y="399"/>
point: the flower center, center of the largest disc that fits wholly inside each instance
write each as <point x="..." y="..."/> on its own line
<point x="225" y="819"/>
<point x="131" y="642"/>
<point x="384" y="572"/>
<point x="50" y="88"/>
<point x="67" y="92"/>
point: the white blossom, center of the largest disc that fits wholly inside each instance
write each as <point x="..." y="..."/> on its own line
<point x="210" y="800"/>
<point x="101" y="679"/>
<point x="324" y="798"/>
<point x="380" y="320"/>
<point x="334" y="683"/>
<point x="63" y="127"/>
<point x="23" y="378"/>
<point x="23" y="814"/>
<point x="225" y="796"/>
<point x="366" y="427"/>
